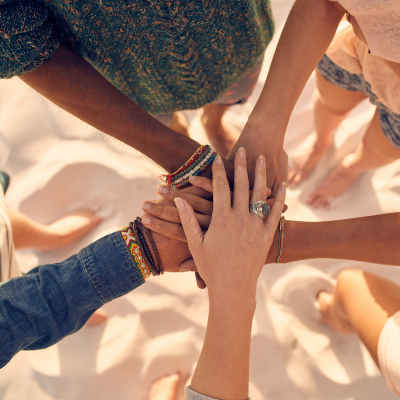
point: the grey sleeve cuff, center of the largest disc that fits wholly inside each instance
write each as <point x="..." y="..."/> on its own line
<point x="192" y="395"/>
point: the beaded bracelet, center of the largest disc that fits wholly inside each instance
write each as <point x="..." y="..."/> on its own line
<point x="281" y="236"/>
<point x="135" y="251"/>
<point x="198" y="162"/>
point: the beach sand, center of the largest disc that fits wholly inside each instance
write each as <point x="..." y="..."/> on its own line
<point x="58" y="164"/>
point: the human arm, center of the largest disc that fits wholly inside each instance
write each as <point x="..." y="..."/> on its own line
<point x="308" y="31"/>
<point x="52" y="301"/>
<point x="73" y="84"/>
<point x="227" y="260"/>
<point x="369" y="239"/>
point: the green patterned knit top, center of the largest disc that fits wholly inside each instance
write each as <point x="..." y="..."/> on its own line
<point x="165" y="55"/>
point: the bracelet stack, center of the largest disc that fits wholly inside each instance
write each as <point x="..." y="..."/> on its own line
<point x="136" y="253"/>
<point x="200" y="161"/>
<point x="281" y="236"/>
<point x="149" y="251"/>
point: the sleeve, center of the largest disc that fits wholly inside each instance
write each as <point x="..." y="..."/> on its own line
<point x="192" y="395"/>
<point x="27" y="38"/>
<point x="52" y="301"/>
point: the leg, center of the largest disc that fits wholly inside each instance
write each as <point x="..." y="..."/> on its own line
<point x="28" y="233"/>
<point x="331" y="106"/>
<point x="361" y="303"/>
<point x="179" y="123"/>
<point x="221" y="136"/>
<point x="166" y="388"/>
<point x="375" y="151"/>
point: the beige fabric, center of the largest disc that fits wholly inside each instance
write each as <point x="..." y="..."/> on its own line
<point x="380" y="22"/>
<point x="8" y="263"/>
<point x="389" y="352"/>
<point x="350" y="53"/>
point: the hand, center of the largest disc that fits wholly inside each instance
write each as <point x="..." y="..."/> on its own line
<point x="231" y="254"/>
<point x="277" y="166"/>
<point x="163" y="217"/>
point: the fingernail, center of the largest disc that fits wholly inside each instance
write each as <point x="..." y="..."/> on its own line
<point x="261" y="161"/>
<point x="179" y="203"/>
<point x="184" y="269"/>
<point x="192" y="178"/>
<point x="242" y="152"/>
<point x="146" y="206"/>
<point x="218" y="160"/>
<point x="163" y="190"/>
<point x="146" y="221"/>
<point x="284" y="187"/>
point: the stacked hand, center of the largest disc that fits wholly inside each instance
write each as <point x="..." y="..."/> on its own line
<point x="163" y="218"/>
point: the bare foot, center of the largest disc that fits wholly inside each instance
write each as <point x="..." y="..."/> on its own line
<point x="30" y="234"/>
<point x="179" y="123"/>
<point x="330" y="317"/>
<point x="70" y="228"/>
<point x="307" y="156"/>
<point x="166" y="388"/>
<point x="222" y="137"/>
<point x="98" y="318"/>
<point x="335" y="184"/>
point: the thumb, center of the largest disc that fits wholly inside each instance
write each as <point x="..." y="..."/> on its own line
<point x="188" y="265"/>
<point x="193" y="232"/>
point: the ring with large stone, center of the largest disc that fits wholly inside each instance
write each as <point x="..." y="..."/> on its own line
<point x="260" y="208"/>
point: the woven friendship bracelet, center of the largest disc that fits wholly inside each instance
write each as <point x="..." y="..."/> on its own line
<point x="198" y="162"/>
<point x="145" y="236"/>
<point x="135" y="252"/>
<point x="281" y="236"/>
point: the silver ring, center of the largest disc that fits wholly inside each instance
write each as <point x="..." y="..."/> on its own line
<point x="260" y="208"/>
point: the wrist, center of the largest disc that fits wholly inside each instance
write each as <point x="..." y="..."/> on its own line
<point x="261" y="125"/>
<point x="233" y="303"/>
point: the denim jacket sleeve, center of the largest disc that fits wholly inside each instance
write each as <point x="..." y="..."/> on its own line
<point x="52" y="301"/>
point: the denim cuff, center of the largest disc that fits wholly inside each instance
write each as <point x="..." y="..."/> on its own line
<point x="110" y="267"/>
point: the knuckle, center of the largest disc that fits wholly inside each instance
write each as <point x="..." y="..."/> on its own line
<point x="185" y="220"/>
<point x="176" y="231"/>
<point x="222" y="219"/>
<point x="242" y="185"/>
<point x="159" y="224"/>
<point x="157" y="211"/>
<point x="221" y="183"/>
<point x="260" y="193"/>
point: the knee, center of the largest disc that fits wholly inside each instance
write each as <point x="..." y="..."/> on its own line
<point x="348" y="279"/>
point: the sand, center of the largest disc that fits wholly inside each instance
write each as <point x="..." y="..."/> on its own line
<point x="58" y="164"/>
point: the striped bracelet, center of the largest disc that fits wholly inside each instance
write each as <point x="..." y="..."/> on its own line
<point x="135" y="252"/>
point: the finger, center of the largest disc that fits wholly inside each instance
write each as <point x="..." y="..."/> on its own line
<point x="276" y="211"/>
<point x="188" y="265"/>
<point x="193" y="232"/>
<point x="202" y="182"/>
<point x="260" y="181"/>
<point x="169" y="229"/>
<point x="241" y="181"/>
<point x="166" y="213"/>
<point x="221" y="190"/>
<point x="197" y="203"/>
<point x="196" y="191"/>
<point x="200" y="282"/>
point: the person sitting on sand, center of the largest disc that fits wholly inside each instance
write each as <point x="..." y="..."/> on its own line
<point x="369" y="306"/>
